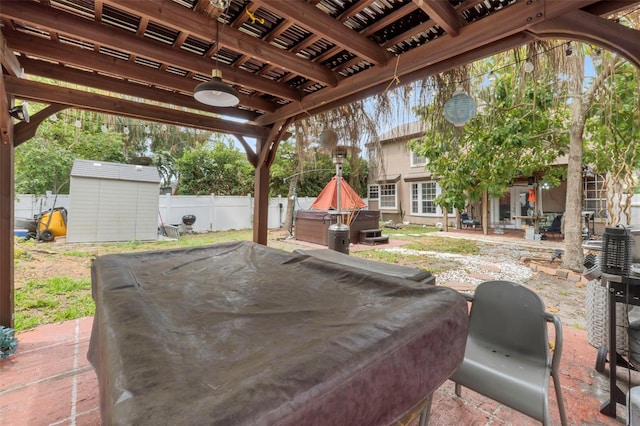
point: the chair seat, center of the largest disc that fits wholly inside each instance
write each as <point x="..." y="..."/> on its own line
<point x="515" y="381"/>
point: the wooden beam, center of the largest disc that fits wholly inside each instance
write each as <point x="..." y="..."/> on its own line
<point x="167" y="12"/>
<point x="585" y="27"/>
<point x="468" y="57"/>
<point x="46" y="93"/>
<point x="443" y="14"/>
<point x="609" y="7"/>
<point x="124" y="41"/>
<point x="251" y="155"/>
<point x="318" y="22"/>
<point x="24" y="131"/>
<point x="91" y="60"/>
<point x="389" y="19"/>
<point x="261" y="202"/>
<point x="355" y="8"/>
<point x="506" y="22"/>
<point x="9" y="59"/>
<point x="265" y="150"/>
<point x="6" y="210"/>
<point x="123" y="87"/>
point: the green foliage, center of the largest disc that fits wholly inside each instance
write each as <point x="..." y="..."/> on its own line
<point x="221" y="170"/>
<point x="44" y="162"/>
<point x="408" y="230"/>
<point x="54" y="299"/>
<point x="519" y="130"/>
<point x="314" y="173"/>
<point x="8" y="342"/>
<point x="445" y="245"/>
<point x="78" y="253"/>
<point x="387" y="256"/>
<point x="166" y="164"/>
<point x="613" y="128"/>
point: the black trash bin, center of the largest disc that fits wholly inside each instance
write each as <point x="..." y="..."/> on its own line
<point x="339" y="238"/>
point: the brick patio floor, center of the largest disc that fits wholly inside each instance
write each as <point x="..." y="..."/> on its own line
<point x="50" y="382"/>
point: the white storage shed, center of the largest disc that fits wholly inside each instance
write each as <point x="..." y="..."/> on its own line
<point x="112" y="202"/>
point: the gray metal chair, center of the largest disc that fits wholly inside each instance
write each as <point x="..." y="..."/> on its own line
<point x="507" y="357"/>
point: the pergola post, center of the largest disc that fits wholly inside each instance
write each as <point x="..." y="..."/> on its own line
<point x="6" y="210"/>
<point x="261" y="204"/>
<point x="262" y="160"/>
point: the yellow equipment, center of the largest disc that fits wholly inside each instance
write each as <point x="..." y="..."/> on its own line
<point x="52" y="223"/>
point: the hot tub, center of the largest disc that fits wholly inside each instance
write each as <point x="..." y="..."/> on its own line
<point x="313" y="225"/>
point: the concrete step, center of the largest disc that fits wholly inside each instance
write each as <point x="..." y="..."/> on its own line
<point x="382" y="239"/>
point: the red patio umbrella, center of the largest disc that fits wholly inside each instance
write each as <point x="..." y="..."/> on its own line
<point x="328" y="197"/>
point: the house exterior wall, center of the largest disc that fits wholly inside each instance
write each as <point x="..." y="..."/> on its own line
<point x="554" y="199"/>
<point x="412" y="184"/>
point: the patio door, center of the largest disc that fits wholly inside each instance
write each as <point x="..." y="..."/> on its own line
<point x="513" y="203"/>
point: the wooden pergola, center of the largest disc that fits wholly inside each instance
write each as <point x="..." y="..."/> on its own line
<point x="287" y="59"/>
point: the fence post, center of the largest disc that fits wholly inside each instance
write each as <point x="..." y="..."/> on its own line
<point x="212" y="212"/>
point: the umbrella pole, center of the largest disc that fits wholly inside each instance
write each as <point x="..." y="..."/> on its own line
<point x="339" y="190"/>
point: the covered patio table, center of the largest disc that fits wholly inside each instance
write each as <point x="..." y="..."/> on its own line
<point x="242" y="334"/>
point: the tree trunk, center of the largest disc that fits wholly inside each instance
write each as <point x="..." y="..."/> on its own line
<point x="445" y="219"/>
<point x="291" y="201"/>
<point x="573" y="255"/>
<point x="485" y="212"/>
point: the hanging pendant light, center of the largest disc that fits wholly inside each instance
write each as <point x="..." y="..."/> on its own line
<point x="528" y="66"/>
<point x="596" y="57"/>
<point x="460" y="108"/>
<point x="215" y="92"/>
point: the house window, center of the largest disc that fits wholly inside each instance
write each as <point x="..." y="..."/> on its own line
<point x="388" y="199"/>
<point x="417" y="160"/>
<point x="594" y="197"/>
<point x="422" y="196"/>
<point x="374" y="192"/>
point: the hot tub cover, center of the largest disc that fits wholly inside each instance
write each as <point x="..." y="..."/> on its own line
<point x="241" y="334"/>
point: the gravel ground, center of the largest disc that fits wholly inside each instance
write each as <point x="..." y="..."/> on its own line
<point x="510" y="262"/>
<point x="474" y="268"/>
<point x="498" y="259"/>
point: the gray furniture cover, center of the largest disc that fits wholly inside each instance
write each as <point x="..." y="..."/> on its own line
<point x="412" y="274"/>
<point x="242" y="334"/>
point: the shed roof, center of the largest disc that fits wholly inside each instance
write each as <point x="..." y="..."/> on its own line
<point x="115" y="171"/>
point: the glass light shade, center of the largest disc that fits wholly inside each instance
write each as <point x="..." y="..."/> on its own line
<point x="528" y="67"/>
<point x="216" y="93"/>
<point x="596" y="58"/>
<point x="460" y="108"/>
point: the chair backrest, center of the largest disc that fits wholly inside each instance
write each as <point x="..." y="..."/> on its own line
<point x="510" y="316"/>
<point x="556" y="224"/>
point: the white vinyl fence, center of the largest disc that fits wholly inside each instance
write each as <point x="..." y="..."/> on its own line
<point x="212" y="212"/>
